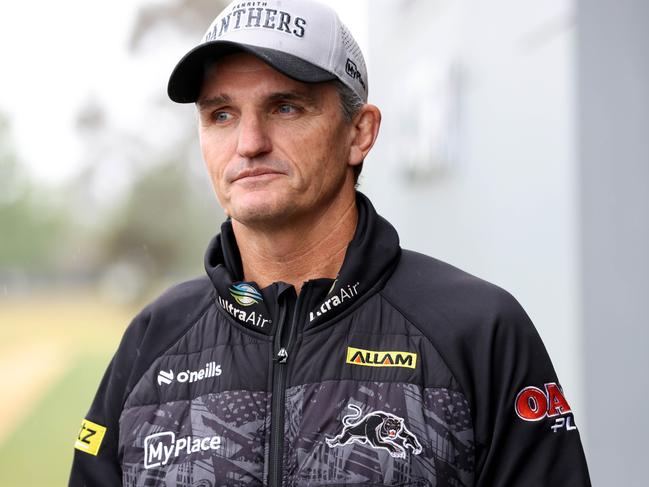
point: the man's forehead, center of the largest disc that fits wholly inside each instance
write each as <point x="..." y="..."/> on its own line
<point x="238" y="62"/>
<point x="245" y="75"/>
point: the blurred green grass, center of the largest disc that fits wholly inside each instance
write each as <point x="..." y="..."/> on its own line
<point x="38" y="451"/>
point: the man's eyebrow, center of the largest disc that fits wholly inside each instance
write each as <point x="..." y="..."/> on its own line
<point x="293" y="96"/>
<point x="307" y="98"/>
<point x="206" y="103"/>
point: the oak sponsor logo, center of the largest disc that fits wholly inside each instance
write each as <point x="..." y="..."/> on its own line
<point x="162" y="447"/>
<point x="534" y="404"/>
<point x="372" y="358"/>
<point x="90" y="437"/>
<point x="345" y="294"/>
<point x="210" y="370"/>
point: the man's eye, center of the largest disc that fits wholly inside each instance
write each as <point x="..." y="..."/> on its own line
<point x="286" y="108"/>
<point x="221" y="116"/>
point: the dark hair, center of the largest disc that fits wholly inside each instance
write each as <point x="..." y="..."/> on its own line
<point x="350" y="105"/>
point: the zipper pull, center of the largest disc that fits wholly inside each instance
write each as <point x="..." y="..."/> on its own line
<point x="282" y="355"/>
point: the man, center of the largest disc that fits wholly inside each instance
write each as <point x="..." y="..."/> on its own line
<point x="316" y="351"/>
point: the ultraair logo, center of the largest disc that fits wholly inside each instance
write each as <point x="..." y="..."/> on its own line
<point x="534" y="404"/>
<point x="371" y="358"/>
<point x="160" y="448"/>
<point x="345" y="294"/>
<point x="250" y="318"/>
<point x="245" y="294"/>
<point x="210" y="370"/>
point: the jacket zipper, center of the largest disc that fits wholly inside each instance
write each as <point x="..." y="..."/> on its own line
<point x="280" y="358"/>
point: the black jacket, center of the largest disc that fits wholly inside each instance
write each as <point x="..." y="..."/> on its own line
<point x="403" y="371"/>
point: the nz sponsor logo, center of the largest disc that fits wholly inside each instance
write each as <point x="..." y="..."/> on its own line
<point x="345" y="294"/>
<point x="352" y="70"/>
<point x="378" y="429"/>
<point x="210" y="370"/>
<point x="90" y="437"/>
<point x="161" y="448"/>
<point x="371" y="358"/>
<point x="534" y="404"/>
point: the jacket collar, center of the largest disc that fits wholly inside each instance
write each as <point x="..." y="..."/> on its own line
<point x="369" y="259"/>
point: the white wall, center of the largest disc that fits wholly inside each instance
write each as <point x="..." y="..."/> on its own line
<point x="501" y="201"/>
<point x="613" y="54"/>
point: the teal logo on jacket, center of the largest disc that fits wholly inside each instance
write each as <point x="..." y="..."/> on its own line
<point x="245" y="294"/>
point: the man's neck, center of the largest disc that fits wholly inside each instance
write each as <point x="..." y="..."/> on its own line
<point x="310" y="249"/>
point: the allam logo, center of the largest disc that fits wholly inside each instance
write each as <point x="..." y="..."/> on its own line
<point x="245" y="294"/>
<point x="373" y="358"/>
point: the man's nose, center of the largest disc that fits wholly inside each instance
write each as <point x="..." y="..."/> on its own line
<point x="254" y="139"/>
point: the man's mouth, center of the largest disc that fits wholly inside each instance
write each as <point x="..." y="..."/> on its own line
<point x="257" y="172"/>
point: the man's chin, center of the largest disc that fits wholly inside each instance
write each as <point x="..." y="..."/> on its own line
<point x="261" y="209"/>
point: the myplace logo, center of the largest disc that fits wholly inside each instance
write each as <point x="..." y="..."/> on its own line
<point x="212" y="369"/>
<point x="352" y="70"/>
<point x="162" y="447"/>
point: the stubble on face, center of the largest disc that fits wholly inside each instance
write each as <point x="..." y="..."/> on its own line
<point x="281" y="152"/>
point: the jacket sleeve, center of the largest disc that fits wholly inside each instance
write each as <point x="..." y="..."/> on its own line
<point x="526" y="433"/>
<point x="96" y="462"/>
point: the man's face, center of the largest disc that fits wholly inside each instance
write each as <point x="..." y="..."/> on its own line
<point x="276" y="149"/>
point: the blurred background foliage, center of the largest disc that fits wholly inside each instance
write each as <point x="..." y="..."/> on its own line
<point x="32" y="222"/>
<point x="151" y="228"/>
<point x="79" y="258"/>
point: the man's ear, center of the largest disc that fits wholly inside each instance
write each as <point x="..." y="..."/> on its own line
<point x="366" y="125"/>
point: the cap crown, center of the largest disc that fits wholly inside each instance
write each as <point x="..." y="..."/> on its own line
<point x="305" y="29"/>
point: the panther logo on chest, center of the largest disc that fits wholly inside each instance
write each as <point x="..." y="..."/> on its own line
<point x="379" y="429"/>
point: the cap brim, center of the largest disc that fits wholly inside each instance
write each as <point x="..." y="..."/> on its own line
<point x="187" y="77"/>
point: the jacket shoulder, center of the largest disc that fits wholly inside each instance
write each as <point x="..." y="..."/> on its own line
<point x="472" y="323"/>
<point x="158" y="326"/>
<point x="180" y="302"/>
<point x="421" y="284"/>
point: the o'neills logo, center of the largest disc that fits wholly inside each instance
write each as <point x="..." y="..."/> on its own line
<point x="339" y="298"/>
<point x="534" y="404"/>
<point x="254" y="15"/>
<point x="371" y="358"/>
<point x="251" y="318"/>
<point x="160" y="448"/>
<point x="210" y="370"/>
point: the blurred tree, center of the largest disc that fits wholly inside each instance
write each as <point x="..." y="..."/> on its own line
<point x="163" y="209"/>
<point x="32" y="223"/>
<point x="163" y="227"/>
<point x="191" y="17"/>
<point x="140" y="211"/>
